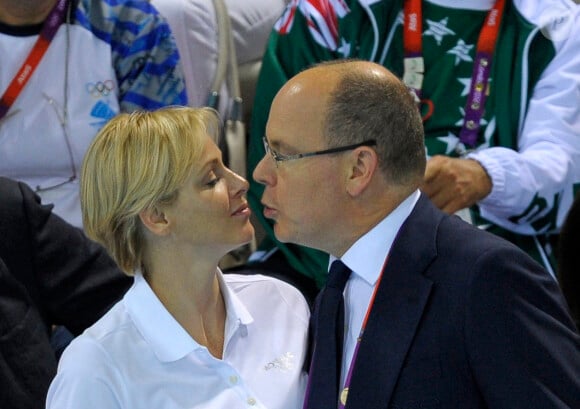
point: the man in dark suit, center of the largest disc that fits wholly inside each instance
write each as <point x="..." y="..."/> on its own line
<point x="50" y="274"/>
<point x="453" y="317"/>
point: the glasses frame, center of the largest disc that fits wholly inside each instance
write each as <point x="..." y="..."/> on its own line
<point x="279" y="157"/>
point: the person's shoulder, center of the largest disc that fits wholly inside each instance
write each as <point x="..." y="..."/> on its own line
<point x="249" y="286"/>
<point x="460" y="235"/>
<point x="239" y="282"/>
<point x="13" y="187"/>
<point x="14" y="194"/>
<point x="8" y="189"/>
<point x="102" y="347"/>
<point x="101" y="13"/>
<point x="557" y="19"/>
<point x="527" y="6"/>
<point x="471" y="250"/>
<point x="84" y="352"/>
<point x="98" y="338"/>
<point x="116" y="4"/>
<point x="88" y="370"/>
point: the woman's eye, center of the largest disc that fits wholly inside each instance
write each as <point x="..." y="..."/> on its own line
<point x="213" y="182"/>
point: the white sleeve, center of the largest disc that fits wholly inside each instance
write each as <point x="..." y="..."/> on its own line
<point x="534" y="187"/>
<point x="85" y="379"/>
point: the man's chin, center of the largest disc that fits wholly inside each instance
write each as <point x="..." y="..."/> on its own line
<point x="282" y="235"/>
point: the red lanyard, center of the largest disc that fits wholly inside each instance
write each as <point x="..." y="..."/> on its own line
<point x="49" y="29"/>
<point x="414" y="67"/>
<point x="344" y="394"/>
<point x="413" y="43"/>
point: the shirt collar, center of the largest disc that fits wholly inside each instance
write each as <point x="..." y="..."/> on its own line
<point x="236" y="312"/>
<point x="167" y="338"/>
<point x="366" y="256"/>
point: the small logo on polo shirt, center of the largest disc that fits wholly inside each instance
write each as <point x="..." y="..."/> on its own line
<point x="283" y="363"/>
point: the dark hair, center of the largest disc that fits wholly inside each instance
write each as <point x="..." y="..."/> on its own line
<point x="368" y="106"/>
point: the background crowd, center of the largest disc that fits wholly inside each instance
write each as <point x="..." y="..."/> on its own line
<point x="496" y="84"/>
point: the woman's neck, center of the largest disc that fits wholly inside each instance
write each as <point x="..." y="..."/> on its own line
<point x="25" y="12"/>
<point x="193" y="297"/>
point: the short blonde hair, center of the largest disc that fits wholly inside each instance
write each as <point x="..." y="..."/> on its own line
<point x="136" y="161"/>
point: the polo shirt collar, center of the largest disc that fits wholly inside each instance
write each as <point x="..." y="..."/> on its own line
<point x="167" y="338"/>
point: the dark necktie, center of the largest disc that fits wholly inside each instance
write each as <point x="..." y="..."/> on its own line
<point x="326" y="361"/>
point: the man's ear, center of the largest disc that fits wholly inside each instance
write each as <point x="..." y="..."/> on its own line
<point x="155" y="221"/>
<point x="363" y="164"/>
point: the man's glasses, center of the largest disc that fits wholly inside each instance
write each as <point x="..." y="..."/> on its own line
<point x="279" y="157"/>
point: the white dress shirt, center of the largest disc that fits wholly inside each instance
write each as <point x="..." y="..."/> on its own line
<point x="366" y="258"/>
<point x="137" y="356"/>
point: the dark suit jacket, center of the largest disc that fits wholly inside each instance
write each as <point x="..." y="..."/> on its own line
<point x="464" y="319"/>
<point x="50" y="273"/>
<point x="569" y="259"/>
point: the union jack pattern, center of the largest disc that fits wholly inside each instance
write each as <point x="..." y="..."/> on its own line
<point x="321" y="17"/>
<point x="284" y="23"/>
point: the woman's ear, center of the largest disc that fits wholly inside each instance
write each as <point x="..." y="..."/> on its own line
<point x="362" y="167"/>
<point x="155" y="221"/>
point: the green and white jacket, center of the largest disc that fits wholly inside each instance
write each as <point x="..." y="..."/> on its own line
<point x="529" y="142"/>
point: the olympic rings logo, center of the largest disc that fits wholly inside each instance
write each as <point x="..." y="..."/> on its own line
<point x="100" y="88"/>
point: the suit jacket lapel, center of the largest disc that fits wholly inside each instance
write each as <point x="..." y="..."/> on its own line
<point x="398" y="307"/>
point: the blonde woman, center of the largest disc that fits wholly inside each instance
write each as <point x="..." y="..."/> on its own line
<point x="156" y="194"/>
